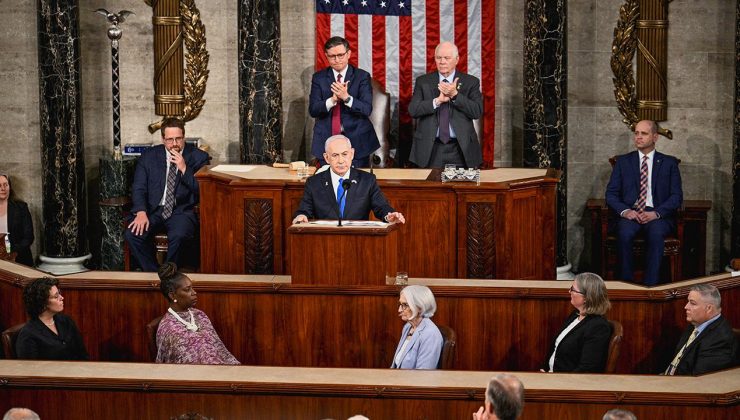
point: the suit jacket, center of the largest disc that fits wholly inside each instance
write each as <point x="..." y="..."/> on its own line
<point x="20" y="228"/>
<point x="151" y="175"/>
<point x="585" y="347"/>
<point x="36" y="341"/>
<point x="356" y="124"/>
<point x="623" y="189"/>
<point x="714" y="349"/>
<point x="467" y="106"/>
<point x="319" y="199"/>
<point x="424" y="349"/>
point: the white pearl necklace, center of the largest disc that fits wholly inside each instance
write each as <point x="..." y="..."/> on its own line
<point x="189" y="325"/>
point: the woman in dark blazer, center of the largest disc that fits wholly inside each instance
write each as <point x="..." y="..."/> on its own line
<point x="583" y="341"/>
<point x="18" y="223"/>
<point x="48" y="334"/>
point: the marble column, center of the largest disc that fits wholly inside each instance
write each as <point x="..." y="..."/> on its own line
<point x="545" y="103"/>
<point x="62" y="148"/>
<point x="735" y="240"/>
<point x="260" y="101"/>
<point x="116" y="178"/>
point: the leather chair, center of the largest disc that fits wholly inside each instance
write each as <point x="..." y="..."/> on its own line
<point x="8" y="337"/>
<point x="609" y="246"/>
<point x="151" y="336"/>
<point x="447" y="356"/>
<point x="615" y="342"/>
<point x="4" y="255"/>
<point x="381" y="120"/>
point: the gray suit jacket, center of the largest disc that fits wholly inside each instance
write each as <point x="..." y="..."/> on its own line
<point x="467" y="106"/>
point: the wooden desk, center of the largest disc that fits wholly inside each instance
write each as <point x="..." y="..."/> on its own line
<point x="452" y="230"/>
<point x="356" y="253"/>
<point x="89" y="390"/>
<point x="266" y="321"/>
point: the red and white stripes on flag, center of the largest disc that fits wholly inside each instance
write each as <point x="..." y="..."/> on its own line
<point x="396" y="50"/>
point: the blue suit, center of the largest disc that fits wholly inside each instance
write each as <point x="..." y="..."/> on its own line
<point x="319" y="199"/>
<point x="423" y="351"/>
<point x="147" y="191"/>
<point x="622" y="193"/>
<point x="355" y="120"/>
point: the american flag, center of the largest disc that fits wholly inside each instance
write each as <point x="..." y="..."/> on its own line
<point x="394" y="41"/>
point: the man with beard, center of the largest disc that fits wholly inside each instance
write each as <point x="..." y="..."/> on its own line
<point x="164" y="194"/>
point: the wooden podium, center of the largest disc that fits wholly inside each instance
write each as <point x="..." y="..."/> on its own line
<point x="356" y="253"/>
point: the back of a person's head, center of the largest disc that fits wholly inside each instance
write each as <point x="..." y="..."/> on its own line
<point x="506" y="394"/>
<point x="20" y="414"/>
<point x="619" y="414"/>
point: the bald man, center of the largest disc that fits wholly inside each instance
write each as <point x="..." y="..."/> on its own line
<point x="445" y="103"/>
<point x="20" y="414"/>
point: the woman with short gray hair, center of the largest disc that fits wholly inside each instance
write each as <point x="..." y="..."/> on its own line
<point x="421" y="342"/>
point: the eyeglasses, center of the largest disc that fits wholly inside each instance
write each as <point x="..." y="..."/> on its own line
<point x="403" y="305"/>
<point x="337" y="56"/>
<point x="56" y="296"/>
<point x="173" y="139"/>
<point x="572" y="290"/>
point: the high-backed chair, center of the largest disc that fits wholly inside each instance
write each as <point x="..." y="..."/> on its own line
<point x="610" y="244"/>
<point x="615" y="342"/>
<point x="8" y="337"/>
<point x="151" y="335"/>
<point x="447" y="356"/>
<point x="381" y="120"/>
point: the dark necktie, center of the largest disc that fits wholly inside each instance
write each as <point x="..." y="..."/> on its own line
<point x="444" y="121"/>
<point x="336" y="119"/>
<point x="341" y="201"/>
<point x="642" y="199"/>
<point x="169" y="198"/>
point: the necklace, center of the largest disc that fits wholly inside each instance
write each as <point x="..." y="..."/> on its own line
<point x="189" y="325"/>
<point x="49" y="324"/>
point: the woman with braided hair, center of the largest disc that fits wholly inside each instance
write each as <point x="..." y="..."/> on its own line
<point x="185" y="334"/>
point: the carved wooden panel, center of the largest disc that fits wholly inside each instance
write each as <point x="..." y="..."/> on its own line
<point x="481" y="241"/>
<point x="259" y="248"/>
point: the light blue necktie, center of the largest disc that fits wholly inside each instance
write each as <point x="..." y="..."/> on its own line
<point x="341" y="200"/>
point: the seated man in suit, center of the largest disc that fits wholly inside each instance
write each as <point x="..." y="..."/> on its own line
<point x="645" y="191"/>
<point x="164" y="194"/>
<point x="341" y="101"/>
<point x="343" y="192"/>
<point x="445" y="103"/>
<point x="708" y="344"/>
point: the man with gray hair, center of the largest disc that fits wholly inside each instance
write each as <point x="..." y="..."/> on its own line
<point x="708" y="344"/>
<point x="619" y="414"/>
<point x="342" y="192"/>
<point x="20" y="414"/>
<point x="504" y="399"/>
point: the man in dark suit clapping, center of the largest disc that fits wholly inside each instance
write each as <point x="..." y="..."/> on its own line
<point x="341" y="101"/>
<point x="445" y="103"/>
<point x="645" y="191"/>
<point x="164" y="194"/>
<point x="342" y="191"/>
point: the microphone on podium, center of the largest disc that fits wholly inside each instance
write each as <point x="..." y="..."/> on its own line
<point x="345" y="186"/>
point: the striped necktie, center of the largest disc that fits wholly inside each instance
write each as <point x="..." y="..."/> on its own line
<point x="676" y="360"/>
<point x="642" y="200"/>
<point x="169" y="199"/>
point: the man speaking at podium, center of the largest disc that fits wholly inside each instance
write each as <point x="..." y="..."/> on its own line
<point x="342" y="192"/>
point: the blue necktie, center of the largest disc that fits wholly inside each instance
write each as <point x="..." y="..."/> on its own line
<point x="341" y="200"/>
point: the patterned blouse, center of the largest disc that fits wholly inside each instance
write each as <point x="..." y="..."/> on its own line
<point x="177" y="344"/>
